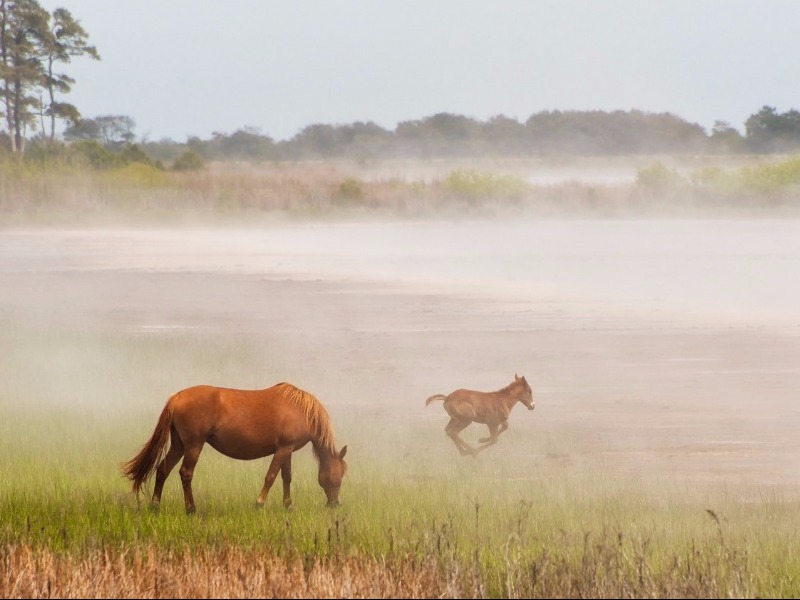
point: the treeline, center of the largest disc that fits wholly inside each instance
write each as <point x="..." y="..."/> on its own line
<point x="445" y="135"/>
<point x="110" y="140"/>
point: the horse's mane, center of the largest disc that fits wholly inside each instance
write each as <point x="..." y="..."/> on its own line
<point x="317" y="416"/>
<point x="508" y="387"/>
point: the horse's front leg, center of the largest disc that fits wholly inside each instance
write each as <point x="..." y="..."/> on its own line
<point x="286" y="476"/>
<point x="491" y="440"/>
<point x="281" y="455"/>
<point x="503" y="427"/>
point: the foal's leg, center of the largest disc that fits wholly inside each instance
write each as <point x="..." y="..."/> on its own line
<point x="452" y="429"/>
<point x="491" y="440"/>
<point x="503" y="427"/>
<point x="165" y="467"/>
<point x="190" y="456"/>
<point x="281" y="454"/>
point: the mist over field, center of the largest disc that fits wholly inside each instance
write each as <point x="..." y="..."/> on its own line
<point x="625" y="328"/>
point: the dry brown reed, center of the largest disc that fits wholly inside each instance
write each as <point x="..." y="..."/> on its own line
<point x="231" y="191"/>
<point x="227" y="572"/>
<point x="606" y="568"/>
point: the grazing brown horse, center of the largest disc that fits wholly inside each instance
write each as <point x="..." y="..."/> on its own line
<point x="243" y="424"/>
<point x="490" y="408"/>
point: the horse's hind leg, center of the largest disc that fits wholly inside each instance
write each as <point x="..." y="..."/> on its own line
<point x="452" y="429"/>
<point x="190" y="455"/>
<point x="165" y="467"/>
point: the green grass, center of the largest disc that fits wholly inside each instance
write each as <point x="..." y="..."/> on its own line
<point x="75" y="404"/>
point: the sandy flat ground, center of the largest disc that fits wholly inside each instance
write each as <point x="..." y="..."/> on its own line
<point x="666" y="347"/>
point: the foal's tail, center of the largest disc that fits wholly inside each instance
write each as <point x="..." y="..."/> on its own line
<point x="142" y="466"/>
<point x="435" y="398"/>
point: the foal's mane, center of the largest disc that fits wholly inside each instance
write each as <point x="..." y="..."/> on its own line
<point x="509" y="386"/>
<point x="318" y="419"/>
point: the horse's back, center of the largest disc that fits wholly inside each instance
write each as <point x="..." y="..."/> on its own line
<point x="207" y="408"/>
<point x="239" y="423"/>
<point x="471" y="396"/>
<point x="471" y="404"/>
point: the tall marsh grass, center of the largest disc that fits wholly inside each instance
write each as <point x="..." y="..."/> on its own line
<point x="66" y="193"/>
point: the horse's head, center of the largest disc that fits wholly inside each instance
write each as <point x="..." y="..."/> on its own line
<point x="526" y="395"/>
<point x="331" y="472"/>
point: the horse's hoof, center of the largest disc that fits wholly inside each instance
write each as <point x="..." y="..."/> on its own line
<point x="190" y="511"/>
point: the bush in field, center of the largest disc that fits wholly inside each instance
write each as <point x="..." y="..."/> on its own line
<point x="97" y="155"/>
<point x="350" y="190"/>
<point x="658" y="178"/>
<point x="132" y="153"/>
<point x="137" y="174"/>
<point x="770" y="178"/>
<point x="759" y="181"/>
<point x="189" y="161"/>
<point x="477" y="185"/>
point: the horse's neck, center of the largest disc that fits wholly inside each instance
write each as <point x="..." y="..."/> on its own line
<point x="322" y="451"/>
<point x="510" y="397"/>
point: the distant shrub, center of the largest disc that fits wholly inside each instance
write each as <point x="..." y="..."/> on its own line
<point x="132" y="153"/>
<point x="46" y="155"/>
<point x="189" y="161"/>
<point x="478" y="185"/>
<point x="770" y="178"/>
<point x="137" y="174"/>
<point x="657" y="177"/>
<point x="96" y="155"/>
<point x="351" y="190"/>
<point x="764" y="180"/>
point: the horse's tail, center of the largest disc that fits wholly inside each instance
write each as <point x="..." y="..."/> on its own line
<point x="435" y="398"/>
<point x="142" y="466"/>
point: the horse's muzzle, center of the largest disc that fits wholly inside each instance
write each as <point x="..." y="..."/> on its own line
<point x="531" y="407"/>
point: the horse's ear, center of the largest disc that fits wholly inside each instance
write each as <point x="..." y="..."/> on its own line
<point x="516" y="377"/>
<point x="342" y="452"/>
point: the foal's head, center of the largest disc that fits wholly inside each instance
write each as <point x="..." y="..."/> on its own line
<point x="525" y="395"/>
<point x="331" y="472"/>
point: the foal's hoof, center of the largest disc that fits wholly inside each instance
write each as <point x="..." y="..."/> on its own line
<point x="190" y="510"/>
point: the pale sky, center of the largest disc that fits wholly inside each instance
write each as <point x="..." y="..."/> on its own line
<point x="192" y="67"/>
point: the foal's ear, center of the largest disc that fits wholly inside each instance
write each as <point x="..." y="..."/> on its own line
<point x="516" y="377"/>
<point x="342" y="452"/>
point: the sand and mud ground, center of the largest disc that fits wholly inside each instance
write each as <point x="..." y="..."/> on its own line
<point x="667" y="348"/>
